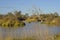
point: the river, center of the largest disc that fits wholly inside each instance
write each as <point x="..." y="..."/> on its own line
<point x="34" y="29"/>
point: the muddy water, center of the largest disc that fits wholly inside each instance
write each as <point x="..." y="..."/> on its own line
<point x="34" y="29"/>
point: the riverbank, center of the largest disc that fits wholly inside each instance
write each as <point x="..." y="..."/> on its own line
<point x="17" y="19"/>
<point x="49" y="19"/>
<point x="11" y="20"/>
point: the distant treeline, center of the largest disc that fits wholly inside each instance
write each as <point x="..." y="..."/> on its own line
<point x="13" y="19"/>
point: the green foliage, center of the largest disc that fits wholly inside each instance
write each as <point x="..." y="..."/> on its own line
<point x="11" y="19"/>
<point x="57" y="37"/>
<point x="17" y="18"/>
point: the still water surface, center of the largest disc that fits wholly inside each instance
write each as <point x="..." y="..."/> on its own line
<point x="31" y="29"/>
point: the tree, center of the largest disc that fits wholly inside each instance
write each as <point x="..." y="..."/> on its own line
<point x="56" y="14"/>
<point x="10" y="14"/>
<point x="17" y="13"/>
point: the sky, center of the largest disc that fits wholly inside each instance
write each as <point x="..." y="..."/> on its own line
<point x="46" y="6"/>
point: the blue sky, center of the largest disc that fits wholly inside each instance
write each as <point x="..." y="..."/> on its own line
<point x="26" y="5"/>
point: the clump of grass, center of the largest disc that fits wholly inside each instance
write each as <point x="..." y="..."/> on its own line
<point x="25" y="39"/>
<point x="31" y="20"/>
<point x="10" y="38"/>
<point x="11" y="23"/>
<point x="57" y="37"/>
